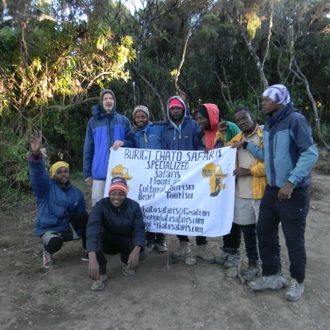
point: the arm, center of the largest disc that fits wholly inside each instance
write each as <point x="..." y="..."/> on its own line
<point x="88" y="155"/>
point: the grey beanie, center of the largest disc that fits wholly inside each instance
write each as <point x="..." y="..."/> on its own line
<point x="141" y="108"/>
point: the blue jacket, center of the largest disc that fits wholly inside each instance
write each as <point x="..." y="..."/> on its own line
<point x="186" y="136"/>
<point x="289" y="152"/>
<point x="149" y="136"/>
<point x="102" y="131"/>
<point x="56" y="205"/>
<point x="125" y="221"/>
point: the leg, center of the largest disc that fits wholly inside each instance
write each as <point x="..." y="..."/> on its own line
<point x="250" y="239"/>
<point x="52" y="242"/>
<point x="79" y="223"/>
<point x="160" y="242"/>
<point x="234" y="257"/>
<point x="97" y="191"/>
<point x="184" y="248"/>
<point x="203" y="250"/>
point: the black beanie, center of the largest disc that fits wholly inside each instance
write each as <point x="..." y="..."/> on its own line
<point x="202" y="110"/>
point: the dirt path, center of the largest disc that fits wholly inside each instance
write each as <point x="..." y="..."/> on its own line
<point x="163" y="294"/>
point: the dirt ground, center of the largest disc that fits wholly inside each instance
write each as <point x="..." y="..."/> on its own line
<point x="163" y="294"/>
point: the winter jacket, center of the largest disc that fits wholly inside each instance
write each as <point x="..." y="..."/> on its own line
<point x="209" y="135"/>
<point x="149" y="136"/>
<point x="259" y="179"/>
<point x="289" y="152"/>
<point x="182" y="137"/>
<point x="102" y="131"/>
<point x="126" y="221"/>
<point x="56" y="205"/>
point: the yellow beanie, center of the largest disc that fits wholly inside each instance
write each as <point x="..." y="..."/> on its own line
<point x="56" y="166"/>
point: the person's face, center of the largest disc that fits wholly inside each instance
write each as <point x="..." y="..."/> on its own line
<point x="269" y="106"/>
<point x="140" y="119"/>
<point x="176" y="113"/>
<point x="244" y="121"/>
<point x="117" y="197"/>
<point x="108" y="102"/>
<point x="202" y="122"/>
<point x="62" y="176"/>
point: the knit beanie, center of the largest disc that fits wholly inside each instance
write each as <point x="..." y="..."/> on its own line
<point x="56" y="166"/>
<point x="175" y="103"/>
<point x="141" y="108"/>
<point x="278" y="93"/>
<point x="202" y="110"/>
<point x="118" y="183"/>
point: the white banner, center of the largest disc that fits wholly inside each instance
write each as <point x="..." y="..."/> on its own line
<point x="180" y="192"/>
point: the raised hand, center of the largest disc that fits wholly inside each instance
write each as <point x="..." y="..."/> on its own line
<point x="36" y="140"/>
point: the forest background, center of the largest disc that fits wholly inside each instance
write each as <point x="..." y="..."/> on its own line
<point x="57" y="55"/>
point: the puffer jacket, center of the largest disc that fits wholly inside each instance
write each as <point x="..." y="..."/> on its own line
<point x="103" y="130"/>
<point x="124" y="221"/>
<point x="56" y="205"/>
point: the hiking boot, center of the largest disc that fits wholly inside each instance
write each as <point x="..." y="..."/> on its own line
<point x="84" y="256"/>
<point x="205" y="254"/>
<point x="182" y="251"/>
<point x="150" y="245"/>
<point x="161" y="246"/>
<point x="233" y="260"/>
<point x="252" y="272"/>
<point x="99" y="285"/>
<point x="47" y="259"/>
<point x="127" y="271"/>
<point x="266" y="282"/>
<point x="295" y="291"/>
<point x="222" y="258"/>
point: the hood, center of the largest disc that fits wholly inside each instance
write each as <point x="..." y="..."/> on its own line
<point x="284" y="112"/>
<point x="101" y="97"/>
<point x="186" y="112"/>
<point x="213" y="113"/>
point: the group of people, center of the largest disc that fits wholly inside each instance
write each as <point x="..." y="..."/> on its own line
<point x="272" y="179"/>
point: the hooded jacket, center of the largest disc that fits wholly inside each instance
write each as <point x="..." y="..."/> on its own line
<point x="209" y="135"/>
<point x="182" y="137"/>
<point x="103" y="130"/>
<point x="289" y="151"/>
<point x="149" y="136"/>
<point x="56" y="205"/>
<point x="125" y="221"/>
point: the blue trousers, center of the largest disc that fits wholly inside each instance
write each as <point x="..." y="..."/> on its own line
<point x="292" y="214"/>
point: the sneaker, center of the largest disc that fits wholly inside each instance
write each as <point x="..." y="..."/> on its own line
<point x="183" y="250"/>
<point x="284" y="281"/>
<point x="161" y="246"/>
<point x="295" y="291"/>
<point x="251" y="273"/>
<point x="84" y="256"/>
<point x="205" y="254"/>
<point x="266" y="282"/>
<point x="150" y="245"/>
<point x="222" y="258"/>
<point x="127" y="271"/>
<point x="233" y="260"/>
<point x="47" y="259"/>
<point x="99" y="285"/>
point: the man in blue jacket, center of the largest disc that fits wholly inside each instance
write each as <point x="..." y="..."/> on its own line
<point x="106" y="129"/>
<point x="149" y="136"/>
<point x="289" y="154"/>
<point x="181" y="132"/>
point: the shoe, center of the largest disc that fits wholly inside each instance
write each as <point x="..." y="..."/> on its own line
<point x="233" y="260"/>
<point x="183" y="250"/>
<point x="47" y="259"/>
<point x="150" y="245"/>
<point x="222" y="258"/>
<point x="205" y="254"/>
<point x="84" y="256"/>
<point x="251" y="273"/>
<point x="128" y="272"/>
<point x="266" y="282"/>
<point x="99" y="285"/>
<point x="161" y="246"/>
<point x="295" y="291"/>
<point x="284" y="281"/>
